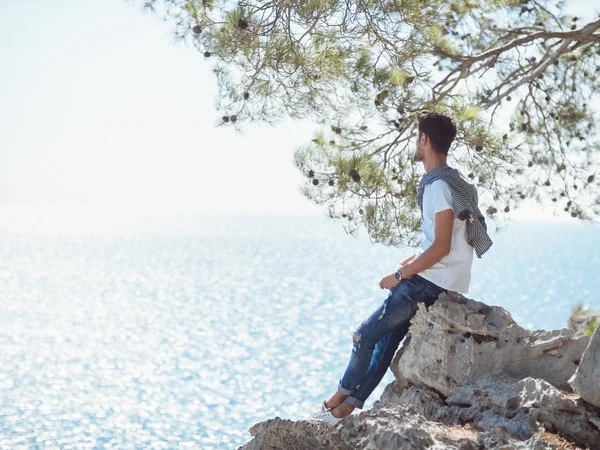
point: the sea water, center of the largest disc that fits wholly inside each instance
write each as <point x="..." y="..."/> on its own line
<point x="181" y="331"/>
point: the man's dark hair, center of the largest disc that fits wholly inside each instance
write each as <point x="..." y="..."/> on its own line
<point x="439" y="127"/>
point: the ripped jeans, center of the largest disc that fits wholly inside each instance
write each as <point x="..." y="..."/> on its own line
<point x="376" y="340"/>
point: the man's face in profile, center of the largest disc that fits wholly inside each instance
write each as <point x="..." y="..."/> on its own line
<point x="419" y="152"/>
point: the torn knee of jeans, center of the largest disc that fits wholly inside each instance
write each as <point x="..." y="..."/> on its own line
<point x="356" y="339"/>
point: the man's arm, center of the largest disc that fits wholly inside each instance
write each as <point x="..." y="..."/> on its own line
<point x="407" y="260"/>
<point x="440" y="247"/>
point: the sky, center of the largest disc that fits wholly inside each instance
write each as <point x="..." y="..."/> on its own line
<point x="99" y="107"/>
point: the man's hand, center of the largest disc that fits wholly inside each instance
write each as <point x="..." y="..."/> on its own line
<point x="388" y="282"/>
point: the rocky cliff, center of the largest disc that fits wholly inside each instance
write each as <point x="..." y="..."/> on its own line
<point x="468" y="377"/>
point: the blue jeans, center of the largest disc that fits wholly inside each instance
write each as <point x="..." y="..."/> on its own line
<point x="376" y="340"/>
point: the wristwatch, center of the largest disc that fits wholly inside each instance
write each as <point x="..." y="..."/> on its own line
<point x="398" y="275"/>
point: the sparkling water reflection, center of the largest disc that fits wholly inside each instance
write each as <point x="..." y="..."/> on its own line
<point x="181" y="332"/>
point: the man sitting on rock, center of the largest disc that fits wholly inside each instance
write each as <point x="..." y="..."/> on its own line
<point x="452" y="226"/>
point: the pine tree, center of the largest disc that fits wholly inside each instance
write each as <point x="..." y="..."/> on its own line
<point x="518" y="76"/>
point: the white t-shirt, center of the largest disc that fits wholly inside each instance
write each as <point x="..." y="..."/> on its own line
<point x="453" y="271"/>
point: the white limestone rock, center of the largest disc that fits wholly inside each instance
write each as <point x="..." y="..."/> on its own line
<point x="459" y="341"/>
<point x="523" y="408"/>
<point x="386" y="428"/>
<point x="586" y="380"/>
<point x="421" y="399"/>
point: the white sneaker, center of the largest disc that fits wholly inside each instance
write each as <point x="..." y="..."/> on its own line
<point x="322" y="414"/>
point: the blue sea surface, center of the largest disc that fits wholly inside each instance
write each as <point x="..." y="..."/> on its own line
<point x="181" y="331"/>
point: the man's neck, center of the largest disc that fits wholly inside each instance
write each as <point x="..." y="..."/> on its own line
<point x="437" y="162"/>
